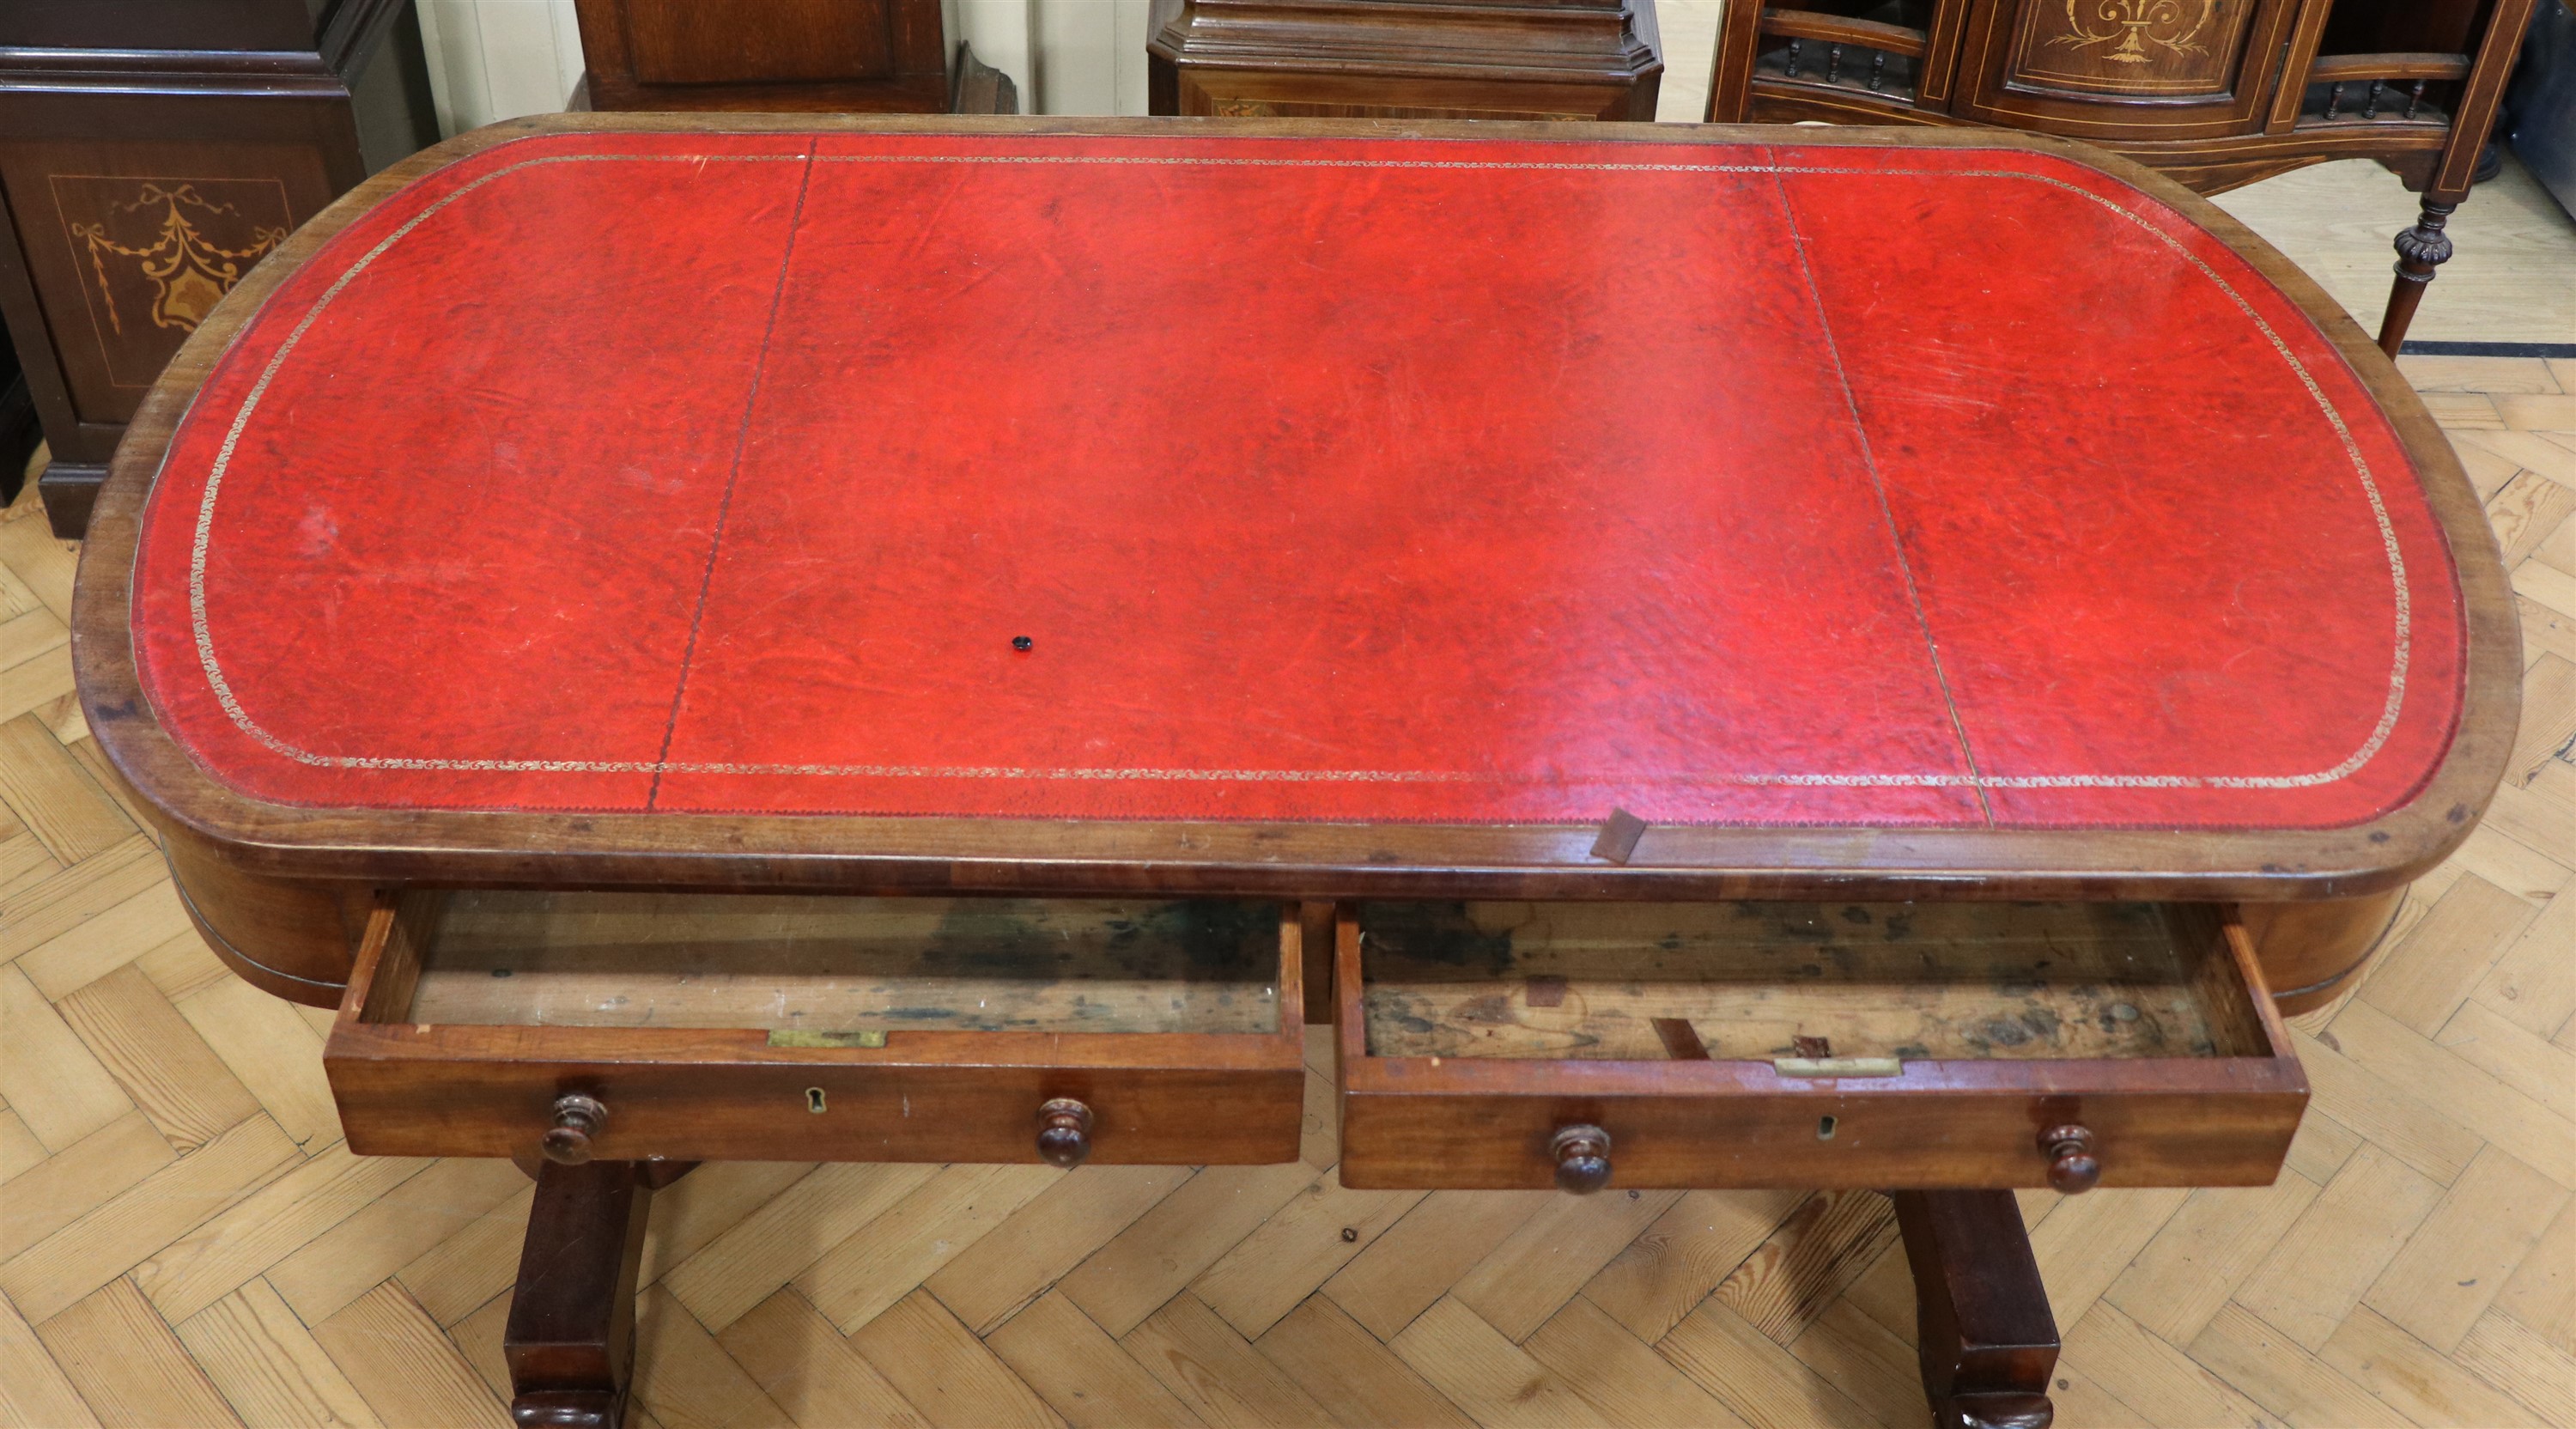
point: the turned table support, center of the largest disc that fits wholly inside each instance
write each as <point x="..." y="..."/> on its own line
<point x="570" y="1341"/>
<point x="2420" y="250"/>
<point x="1987" y="1340"/>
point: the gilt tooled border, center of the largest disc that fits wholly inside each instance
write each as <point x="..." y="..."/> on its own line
<point x="2370" y="747"/>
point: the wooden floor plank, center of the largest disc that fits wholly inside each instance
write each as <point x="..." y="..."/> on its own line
<point x="1794" y="1274"/>
<point x="1302" y="1245"/>
<point x="1081" y="1372"/>
<point x="1619" y="1375"/>
<point x="857" y="1280"/>
<point x="2541" y="1293"/>
<point x="1414" y="1264"/>
<point x="2153" y="1377"/>
<point x="53" y="794"/>
<point x="66" y="1186"/>
<point x="1145" y="1265"/>
<point x="2451" y="1269"/>
<point x="1545" y="1263"/>
<point x="1689" y="1251"/>
<point x="1758" y="1381"/>
<point x="214" y="1259"/>
<point x="2184" y="1277"/>
<point x="2260" y="1363"/>
<point x="1041" y="1242"/>
<point x="457" y="1276"/>
<point x="268" y="1365"/>
<point x="1863" y="1359"/>
<point x="690" y="1213"/>
<point x="407" y="1371"/>
<point x="135" y="1224"/>
<point x="34" y="1392"/>
<point x="164" y="1066"/>
<point x="1359" y="1381"/>
<point x="1227" y="1383"/>
<point x="264" y="1044"/>
<point x="947" y="1374"/>
<point x="809" y="1370"/>
<point x="684" y="1377"/>
<point x="2501" y="1351"/>
<point x="2422" y="1383"/>
<point x="48" y="1074"/>
<point x="749" y="1262"/>
<point x="128" y="1366"/>
<point x="350" y="1259"/>
<point x="1478" y="1368"/>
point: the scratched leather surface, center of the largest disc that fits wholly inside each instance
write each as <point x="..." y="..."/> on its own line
<point x="1441" y="480"/>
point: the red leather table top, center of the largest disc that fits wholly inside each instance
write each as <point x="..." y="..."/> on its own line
<point x="1349" y="480"/>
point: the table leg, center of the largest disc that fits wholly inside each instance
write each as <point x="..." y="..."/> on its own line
<point x="2420" y="250"/>
<point x="570" y="1341"/>
<point x="1988" y="1342"/>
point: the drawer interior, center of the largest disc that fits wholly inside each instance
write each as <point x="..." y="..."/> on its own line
<point x="835" y="967"/>
<point x="1802" y="982"/>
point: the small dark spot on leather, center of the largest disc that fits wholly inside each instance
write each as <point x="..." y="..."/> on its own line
<point x="2379" y="836"/>
<point x="1856" y="915"/>
<point x="1385" y="856"/>
<point x="2458" y="813"/>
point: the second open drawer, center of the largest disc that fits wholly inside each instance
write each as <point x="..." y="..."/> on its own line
<point x="775" y="1027"/>
<point x="1779" y="1044"/>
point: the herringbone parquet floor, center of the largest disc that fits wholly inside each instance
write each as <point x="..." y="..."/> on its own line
<point x="185" y="1241"/>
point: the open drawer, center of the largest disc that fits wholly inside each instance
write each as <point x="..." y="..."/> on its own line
<point x="688" y="1026"/>
<point x="1797" y="1044"/>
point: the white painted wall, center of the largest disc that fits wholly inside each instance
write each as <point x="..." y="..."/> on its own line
<point x="498" y="59"/>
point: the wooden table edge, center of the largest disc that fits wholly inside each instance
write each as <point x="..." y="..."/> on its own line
<point x="1295" y="859"/>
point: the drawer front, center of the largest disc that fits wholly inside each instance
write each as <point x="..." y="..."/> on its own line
<point x="410" y="1096"/>
<point x="832" y="1029"/>
<point x="1960" y="1061"/>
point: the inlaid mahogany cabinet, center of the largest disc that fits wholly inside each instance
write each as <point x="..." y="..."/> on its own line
<point x="1905" y="708"/>
<point x="2217" y="93"/>
<point x="153" y="151"/>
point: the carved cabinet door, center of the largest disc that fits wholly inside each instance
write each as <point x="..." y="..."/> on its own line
<point x="2125" y="69"/>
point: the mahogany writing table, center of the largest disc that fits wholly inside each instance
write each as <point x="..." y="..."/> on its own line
<point x="1718" y="658"/>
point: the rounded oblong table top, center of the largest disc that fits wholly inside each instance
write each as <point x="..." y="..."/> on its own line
<point x="887" y="497"/>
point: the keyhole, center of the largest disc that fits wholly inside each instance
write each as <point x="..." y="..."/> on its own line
<point x="1824" y="1127"/>
<point x="814" y="1100"/>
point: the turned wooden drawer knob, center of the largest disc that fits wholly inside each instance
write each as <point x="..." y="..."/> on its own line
<point x="1582" y="1159"/>
<point x="1064" y="1132"/>
<point x="577" y="1119"/>
<point x="2072" y="1166"/>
